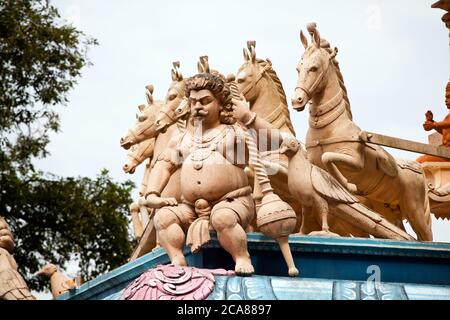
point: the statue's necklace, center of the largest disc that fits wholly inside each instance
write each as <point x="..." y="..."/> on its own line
<point x="203" y="147"/>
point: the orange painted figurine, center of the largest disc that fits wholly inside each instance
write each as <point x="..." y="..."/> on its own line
<point x="443" y="127"/>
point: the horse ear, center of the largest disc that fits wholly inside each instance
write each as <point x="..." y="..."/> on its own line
<point x="251" y="45"/>
<point x="303" y="39"/>
<point x="200" y="68"/>
<point x="312" y="29"/>
<point x="316" y="36"/>
<point x="149" y="88"/>
<point x="203" y="65"/>
<point x="246" y="54"/>
<point x="176" y="74"/>
<point x="149" y="94"/>
<point x="141" y="107"/>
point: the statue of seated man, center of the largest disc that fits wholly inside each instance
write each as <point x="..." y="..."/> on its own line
<point x="12" y="285"/>
<point x="216" y="194"/>
<point x="442" y="127"/>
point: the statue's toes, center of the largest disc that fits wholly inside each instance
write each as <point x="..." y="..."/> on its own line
<point x="244" y="268"/>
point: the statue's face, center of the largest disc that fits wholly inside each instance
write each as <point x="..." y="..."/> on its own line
<point x="204" y="108"/>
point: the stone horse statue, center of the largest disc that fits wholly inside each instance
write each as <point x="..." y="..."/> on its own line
<point x="145" y="130"/>
<point x="334" y="142"/>
<point x="259" y="84"/>
<point x="261" y="87"/>
<point x="137" y="154"/>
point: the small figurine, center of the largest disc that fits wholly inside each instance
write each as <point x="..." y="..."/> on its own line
<point x="443" y="127"/>
<point x="12" y="285"/>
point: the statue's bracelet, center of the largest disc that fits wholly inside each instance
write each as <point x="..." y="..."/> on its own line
<point x="156" y="193"/>
<point x="252" y="119"/>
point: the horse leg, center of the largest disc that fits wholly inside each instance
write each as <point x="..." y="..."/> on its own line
<point x="331" y="161"/>
<point x="393" y="215"/>
<point x="416" y="206"/>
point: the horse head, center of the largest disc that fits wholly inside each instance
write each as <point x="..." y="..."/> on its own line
<point x="251" y="72"/>
<point x="137" y="154"/>
<point x="313" y="68"/>
<point x="168" y="115"/>
<point x="145" y="124"/>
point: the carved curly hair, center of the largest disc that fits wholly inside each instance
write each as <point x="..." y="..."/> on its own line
<point x="220" y="90"/>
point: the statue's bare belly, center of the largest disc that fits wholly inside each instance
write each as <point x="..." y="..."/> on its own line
<point x="215" y="178"/>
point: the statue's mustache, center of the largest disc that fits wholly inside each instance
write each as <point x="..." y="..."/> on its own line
<point x="201" y="113"/>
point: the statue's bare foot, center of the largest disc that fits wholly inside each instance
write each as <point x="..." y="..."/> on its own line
<point x="179" y="261"/>
<point x="244" y="267"/>
<point x="323" y="233"/>
<point x="293" y="272"/>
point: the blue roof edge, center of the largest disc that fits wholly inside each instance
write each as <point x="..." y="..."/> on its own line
<point x="124" y="274"/>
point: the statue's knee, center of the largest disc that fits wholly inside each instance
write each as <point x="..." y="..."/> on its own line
<point x="223" y="219"/>
<point x="164" y="218"/>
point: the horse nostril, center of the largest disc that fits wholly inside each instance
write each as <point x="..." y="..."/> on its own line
<point x="157" y="122"/>
<point x="299" y="99"/>
<point x="122" y="140"/>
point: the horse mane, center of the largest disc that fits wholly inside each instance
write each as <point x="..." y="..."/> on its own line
<point x="342" y="85"/>
<point x="280" y="90"/>
<point x="326" y="45"/>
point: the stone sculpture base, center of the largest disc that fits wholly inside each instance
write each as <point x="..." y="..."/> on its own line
<point x="331" y="268"/>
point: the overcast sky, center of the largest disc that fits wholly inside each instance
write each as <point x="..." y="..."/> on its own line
<point x="394" y="57"/>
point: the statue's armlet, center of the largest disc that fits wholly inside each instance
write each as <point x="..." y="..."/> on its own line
<point x="171" y="158"/>
<point x="172" y="154"/>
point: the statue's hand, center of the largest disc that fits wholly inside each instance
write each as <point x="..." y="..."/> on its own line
<point x="241" y="110"/>
<point x="429" y="125"/>
<point x="155" y="202"/>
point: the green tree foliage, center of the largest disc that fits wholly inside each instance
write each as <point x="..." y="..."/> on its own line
<point x="53" y="218"/>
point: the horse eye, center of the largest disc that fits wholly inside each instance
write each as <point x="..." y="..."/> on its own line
<point x="172" y="97"/>
<point x="240" y="80"/>
<point x="142" y="118"/>
<point x="313" y="69"/>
